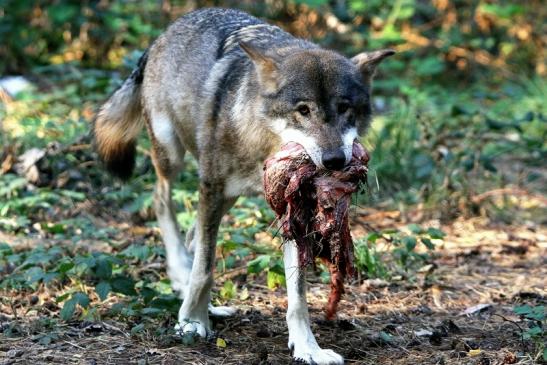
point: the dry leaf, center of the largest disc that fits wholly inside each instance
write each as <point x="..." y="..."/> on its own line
<point x="474" y="352"/>
<point x="423" y="333"/>
<point x="221" y="343"/>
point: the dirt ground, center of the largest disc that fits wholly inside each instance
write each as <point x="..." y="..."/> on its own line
<point x="420" y="320"/>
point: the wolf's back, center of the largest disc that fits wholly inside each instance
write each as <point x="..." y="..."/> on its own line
<point x="177" y="66"/>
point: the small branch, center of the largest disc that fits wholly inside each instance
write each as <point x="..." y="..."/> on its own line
<point x="516" y="324"/>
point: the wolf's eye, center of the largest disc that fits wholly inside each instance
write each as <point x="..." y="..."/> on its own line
<point x="303" y="110"/>
<point x="342" y="107"/>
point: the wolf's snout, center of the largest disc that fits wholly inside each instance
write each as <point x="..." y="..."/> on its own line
<point x="334" y="159"/>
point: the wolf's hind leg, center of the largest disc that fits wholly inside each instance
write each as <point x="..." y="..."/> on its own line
<point x="168" y="157"/>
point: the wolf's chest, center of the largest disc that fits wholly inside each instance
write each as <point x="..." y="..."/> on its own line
<point x="250" y="183"/>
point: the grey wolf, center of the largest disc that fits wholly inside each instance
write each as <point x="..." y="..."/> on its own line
<point x="231" y="90"/>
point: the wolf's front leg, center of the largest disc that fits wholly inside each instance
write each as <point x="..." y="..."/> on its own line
<point x="193" y="314"/>
<point x="301" y="339"/>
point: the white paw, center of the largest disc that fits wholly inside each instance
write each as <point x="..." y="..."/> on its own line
<point x="221" y="311"/>
<point x="189" y="327"/>
<point x="319" y="356"/>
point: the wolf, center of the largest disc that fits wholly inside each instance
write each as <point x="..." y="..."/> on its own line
<point x="231" y="89"/>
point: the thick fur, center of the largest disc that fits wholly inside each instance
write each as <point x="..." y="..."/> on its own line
<point x="231" y="89"/>
<point x="118" y="124"/>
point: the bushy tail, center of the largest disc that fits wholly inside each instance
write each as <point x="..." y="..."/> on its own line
<point x="118" y="124"/>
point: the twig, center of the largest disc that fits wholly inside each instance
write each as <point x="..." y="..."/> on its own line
<point x="516" y="324"/>
<point x="73" y="344"/>
<point x="114" y="328"/>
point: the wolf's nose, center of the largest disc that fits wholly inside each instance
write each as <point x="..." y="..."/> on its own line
<point x="334" y="159"/>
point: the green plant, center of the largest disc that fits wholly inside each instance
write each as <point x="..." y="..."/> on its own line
<point x="536" y="321"/>
<point x="400" y="246"/>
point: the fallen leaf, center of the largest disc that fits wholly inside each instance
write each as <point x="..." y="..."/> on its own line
<point x="244" y="294"/>
<point x="474" y="352"/>
<point x="422" y="333"/>
<point x="221" y="343"/>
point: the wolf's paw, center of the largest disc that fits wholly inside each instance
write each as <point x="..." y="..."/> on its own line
<point x="318" y="356"/>
<point x="221" y="311"/>
<point x="189" y="327"/>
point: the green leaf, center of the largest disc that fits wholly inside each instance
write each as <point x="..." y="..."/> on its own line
<point x="259" y="264"/>
<point x="278" y="267"/>
<point x="141" y="252"/>
<point x="123" y="284"/>
<point x="169" y="303"/>
<point x="372" y="237"/>
<point x="410" y="243"/>
<point x="56" y="228"/>
<point x="68" y="309"/>
<point x="102" y="289"/>
<point x="523" y="309"/>
<point x="275" y="279"/>
<point x="312" y="3"/>
<point x="427" y="242"/>
<point x="147" y="294"/>
<point x="103" y="268"/>
<point x="435" y="233"/>
<point x="415" y="228"/>
<point x="136" y="329"/>
<point x="61" y="298"/>
<point x="228" y="246"/>
<point x="386" y="337"/>
<point x="81" y="298"/>
<point x="228" y="290"/>
<point x="238" y="238"/>
<point x="63" y="267"/>
<point x="5" y="249"/>
<point x="34" y="274"/>
<point x="533" y="332"/>
<point x="538" y="313"/>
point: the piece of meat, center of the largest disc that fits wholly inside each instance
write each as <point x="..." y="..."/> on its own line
<point x="312" y="206"/>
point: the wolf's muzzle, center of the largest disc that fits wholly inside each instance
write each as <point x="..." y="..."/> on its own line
<point x="334" y="159"/>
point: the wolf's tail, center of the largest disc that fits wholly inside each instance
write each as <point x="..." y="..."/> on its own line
<point x="118" y="123"/>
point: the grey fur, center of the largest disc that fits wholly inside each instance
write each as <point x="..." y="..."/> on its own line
<point x="231" y="89"/>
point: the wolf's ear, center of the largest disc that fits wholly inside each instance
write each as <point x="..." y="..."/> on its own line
<point x="368" y="61"/>
<point x="265" y="66"/>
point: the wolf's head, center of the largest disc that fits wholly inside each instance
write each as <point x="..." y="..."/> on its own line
<point x="316" y="98"/>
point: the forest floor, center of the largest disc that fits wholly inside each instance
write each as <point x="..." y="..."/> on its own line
<point x="457" y="310"/>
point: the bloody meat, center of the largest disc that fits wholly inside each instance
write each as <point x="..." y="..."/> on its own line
<point x="312" y="206"/>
